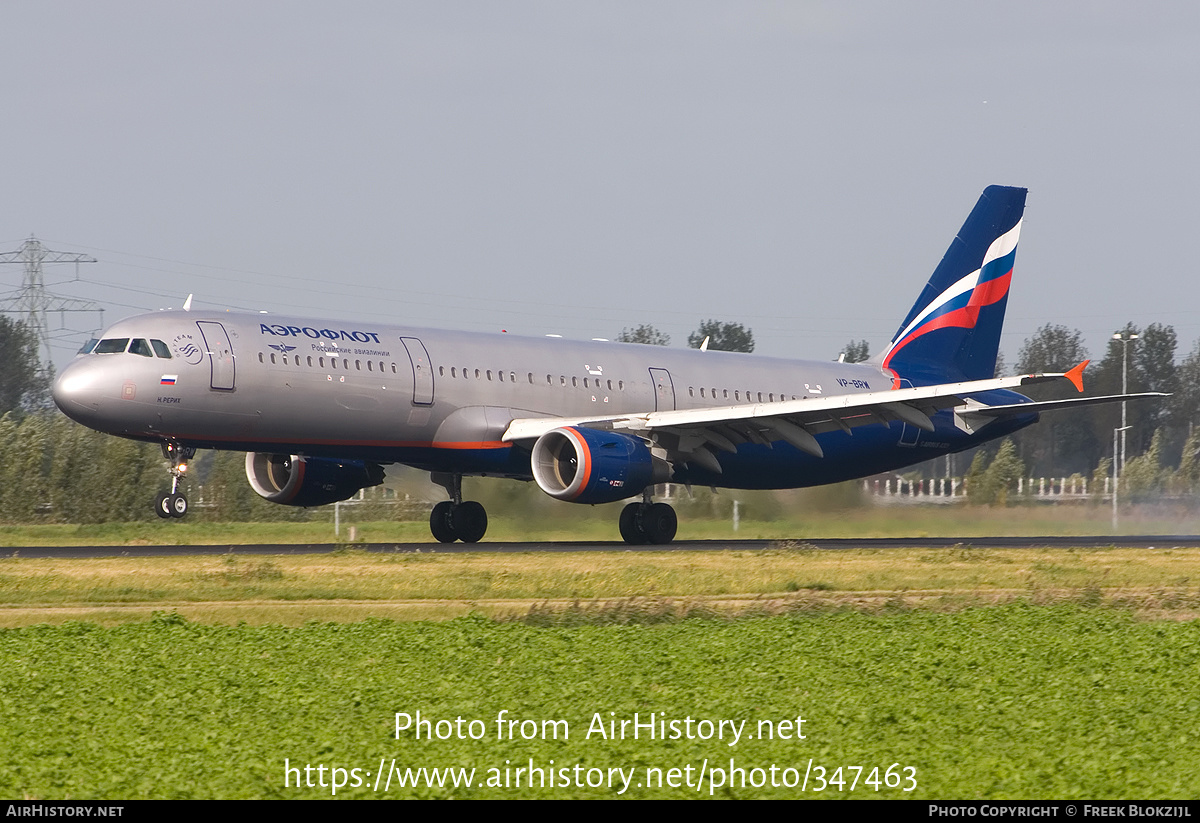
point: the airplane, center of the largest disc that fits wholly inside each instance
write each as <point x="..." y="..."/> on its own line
<point x="321" y="406"/>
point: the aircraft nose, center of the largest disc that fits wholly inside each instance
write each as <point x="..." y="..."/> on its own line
<point x="76" y="392"/>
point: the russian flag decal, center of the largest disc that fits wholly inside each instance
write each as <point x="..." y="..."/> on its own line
<point x="168" y="380"/>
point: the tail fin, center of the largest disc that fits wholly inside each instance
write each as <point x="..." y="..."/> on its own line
<point x="953" y="330"/>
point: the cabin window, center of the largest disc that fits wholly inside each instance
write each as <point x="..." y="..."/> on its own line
<point x="260" y="357"/>
<point x="737" y="395"/>
<point x="610" y="385"/>
<point x="321" y="360"/>
<point x="393" y="368"/>
<point x="272" y="359"/>
<point x="477" y="374"/>
<point x="512" y="377"/>
<point x="574" y="382"/>
<point x="161" y="349"/>
<point x="562" y="380"/>
<point x="691" y="392"/>
<point x="771" y="397"/>
<point x="724" y="394"/>
<point x="760" y="397"/>
<point x="333" y="362"/>
<point x="381" y="365"/>
<point x="531" y="378"/>
<point x="621" y="385"/>
<point x="310" y="361"/>
<point x="345" y="364"/>
<point x="489" y="374"/>
<point x="371" y="367"/>
<point x="113" y="345"/>
<point x="358" y="365"/>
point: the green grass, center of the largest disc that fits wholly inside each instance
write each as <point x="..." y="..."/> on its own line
<point x="351" y="585"/>
<point x="802" y="517"/>
<point x="1010" y="702"/>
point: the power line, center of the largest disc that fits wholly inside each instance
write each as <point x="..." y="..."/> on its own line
<point x="34" y="302"/>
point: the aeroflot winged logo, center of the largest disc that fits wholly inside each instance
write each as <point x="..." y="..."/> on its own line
<point x="959" y="305"/>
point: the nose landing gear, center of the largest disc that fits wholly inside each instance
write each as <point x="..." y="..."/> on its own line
<point x="174" y="504"/>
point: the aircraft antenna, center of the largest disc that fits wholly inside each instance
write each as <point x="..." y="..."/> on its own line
<point x="34" y="302"/>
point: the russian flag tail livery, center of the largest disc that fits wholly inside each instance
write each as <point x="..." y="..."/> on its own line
<point x="952" y="332"/>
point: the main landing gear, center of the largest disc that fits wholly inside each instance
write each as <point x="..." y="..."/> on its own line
<point x="456" y="519"/>
<point x="648" y="522"/>
<point x="174" y="504"/>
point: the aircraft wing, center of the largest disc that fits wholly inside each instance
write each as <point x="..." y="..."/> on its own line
<point x="690" y="435"/>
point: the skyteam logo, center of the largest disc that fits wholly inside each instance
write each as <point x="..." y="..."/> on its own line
<point x="959" y="305"/>
<point x="186" y="349"/>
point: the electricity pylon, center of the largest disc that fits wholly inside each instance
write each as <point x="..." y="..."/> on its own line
<point x="34" y="302"/>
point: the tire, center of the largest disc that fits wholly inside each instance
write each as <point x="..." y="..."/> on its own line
<point x="177" y="504"/>
<point x="439" y="522"/>
<point x="470" y="521"/>
<point x="160" y="506"/>
<point x="660" y="523"/>
<point x="631" y="530"/>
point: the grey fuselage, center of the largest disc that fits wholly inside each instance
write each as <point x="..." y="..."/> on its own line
<point x="441" y="400"/>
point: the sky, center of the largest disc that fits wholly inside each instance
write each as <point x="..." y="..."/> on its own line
<point x="577" y="168"/>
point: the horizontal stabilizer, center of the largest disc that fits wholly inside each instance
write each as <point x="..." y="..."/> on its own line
<point x="1051" y="405"/>
<point x="974" y="416"/>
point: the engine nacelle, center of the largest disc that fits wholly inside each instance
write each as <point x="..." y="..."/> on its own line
<point x="592" y="466"/>
<point x="308" y="481"/>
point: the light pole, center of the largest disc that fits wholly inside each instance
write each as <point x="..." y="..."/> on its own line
<point x="1116" y="478"/>
<point x="1124" y="338"/>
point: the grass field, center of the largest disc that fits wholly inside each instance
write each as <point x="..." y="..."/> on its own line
<point x="1015" y="701"/>
<point x="351" y="585"/>
<point x="599" y="523"/>
<point x="961" y="672"/>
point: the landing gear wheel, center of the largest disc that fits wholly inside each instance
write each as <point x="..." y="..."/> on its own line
<point x="648" y="523"/>
<point x="456" y="519"/>
<point x="439" y="522"/>
<point x="631" y="529"/>
<point x="659" y="523"/>
<point x="470" y="521"/>
<point x="174" y="504"/>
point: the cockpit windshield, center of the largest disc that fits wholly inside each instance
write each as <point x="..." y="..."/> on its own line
<point x="112" y="345"/>
<point x="137" y="345"/>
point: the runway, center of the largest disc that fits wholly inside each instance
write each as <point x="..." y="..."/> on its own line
<point x="1158" y="541"/>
